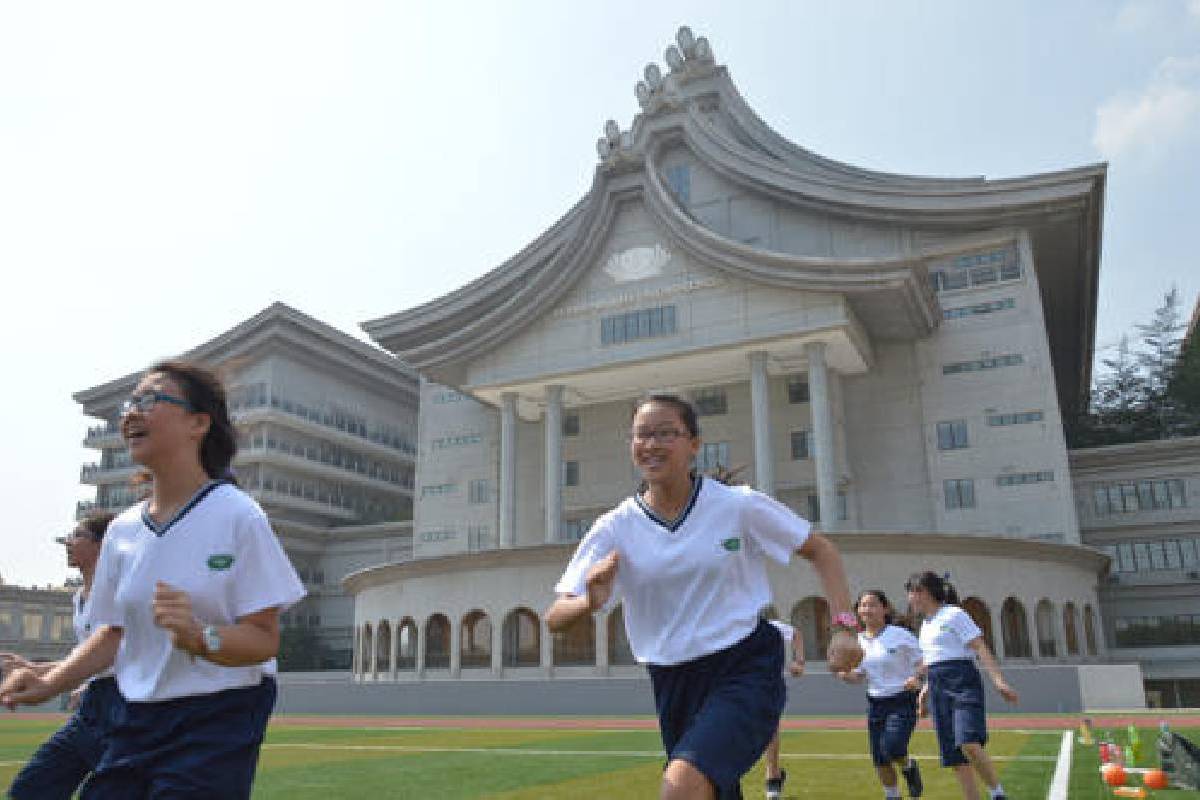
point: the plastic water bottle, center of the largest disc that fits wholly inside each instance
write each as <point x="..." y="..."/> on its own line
<point x="1166" y="753"/>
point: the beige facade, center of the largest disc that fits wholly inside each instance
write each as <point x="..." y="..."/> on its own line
<point x="36" y="623"/>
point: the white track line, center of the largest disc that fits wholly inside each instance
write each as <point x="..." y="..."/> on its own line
<point x="587" y="731"/>
<point x="1062" y="770"/>
<point x="518" y="751"/>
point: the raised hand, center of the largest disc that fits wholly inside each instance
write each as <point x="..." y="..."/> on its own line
<point x="844" y="651"/>
<point x="600" y="580"/>
<point x="173" y="612"/>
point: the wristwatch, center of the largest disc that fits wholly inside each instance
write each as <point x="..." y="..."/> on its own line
<point x="845" y="621"/>
<point x="212" y="640"/>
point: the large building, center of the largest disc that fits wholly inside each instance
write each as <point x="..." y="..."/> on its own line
<point x="890" y="355"/>
<point x="327" y="429"/>
<point x="36" y="623"/>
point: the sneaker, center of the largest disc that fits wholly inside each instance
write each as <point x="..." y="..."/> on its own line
<point x="775" y="786"/>
<point x="912" y="777"/>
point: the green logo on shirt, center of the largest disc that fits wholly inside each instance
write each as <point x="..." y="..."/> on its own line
<point x="220" y="561"/>
<point x="732" y="544"/>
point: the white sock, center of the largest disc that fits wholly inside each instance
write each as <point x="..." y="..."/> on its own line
<point x="912" y="762"/>
<point x="892" y="792"/>
<point x="998" y="791"/>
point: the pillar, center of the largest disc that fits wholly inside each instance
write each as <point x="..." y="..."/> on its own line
<point x="760" y="405"/>
<point x="553" y="421"/>
<point x="822" y="427"/>
<point x="508" y="469"/>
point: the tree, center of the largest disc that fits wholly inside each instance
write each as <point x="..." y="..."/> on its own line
<point x="1158" y="358"/>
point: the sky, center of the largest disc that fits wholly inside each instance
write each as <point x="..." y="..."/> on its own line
<point x="168" y="170"/>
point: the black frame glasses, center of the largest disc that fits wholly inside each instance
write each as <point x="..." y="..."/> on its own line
<point x="146" y="401"/>
<point x="663" y="435"/>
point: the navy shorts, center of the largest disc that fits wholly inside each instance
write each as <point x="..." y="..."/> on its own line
<point x="957" y="707"/>
<point x="205" y="746"/>
<point x="890" y="724"/>
<point x="720" y="711"/>
<point x="57" y="768"/>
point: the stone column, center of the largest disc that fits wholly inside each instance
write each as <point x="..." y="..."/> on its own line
<point x="822" y="427"/>
<point x="374" y="652"/>
<point x="1031" y="629"/>
<point x="497" y="646"/>
<point x="760" y="404"/>
<point x="602" y="644"/>
<point x="546" y="640"/>
<point x="554" y="412"/>
<point x="394" y="650"/>
<point x="455" y="647"/>
<point x="508" y="469"/>
<point x="420" y="669"/>
<point x="998" y="629"/>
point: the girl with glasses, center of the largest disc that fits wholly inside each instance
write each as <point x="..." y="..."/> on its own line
<point x="950" y="643"/>
<point x="56" y="769"/>
<point x="185" y="606"/>
<point x="687" y="558"/>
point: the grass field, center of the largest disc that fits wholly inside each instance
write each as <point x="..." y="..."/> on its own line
<point x="300" y="762"/>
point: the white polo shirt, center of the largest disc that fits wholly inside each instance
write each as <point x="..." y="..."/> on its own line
<point x="889" y="659"/>
<point x="694" y="585"/>
<point x="219" y="549"/>
<point x="945" y="635"/>
<point x="81" y="619"/>
<point x="788" y="632"/>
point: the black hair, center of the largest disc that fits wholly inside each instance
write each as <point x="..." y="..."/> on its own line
<point x="687" y="414"/>
<point x="938" y="586"/>
<point x="889" y="617"/>
<point x="96" y="524"/>
<point x="205" y="393"/>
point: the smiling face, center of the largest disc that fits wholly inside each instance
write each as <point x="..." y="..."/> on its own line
<point x="167" y="430"/>
<point x="872" y="611"/>
<point x="661" y="446"/>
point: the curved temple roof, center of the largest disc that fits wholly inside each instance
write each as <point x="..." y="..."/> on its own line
<point x="696" y="106"/>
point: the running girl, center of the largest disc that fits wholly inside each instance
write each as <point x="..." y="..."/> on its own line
<point x="687" y="557"/>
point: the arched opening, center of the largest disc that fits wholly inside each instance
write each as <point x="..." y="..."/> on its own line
<point x="365" y="654"/>
<point x="810" y="618"/>
<point x="981" y="615"/>
<point x="522" y="637"/>
<point x="1015" y="629"/>
<point x="576" y="645"/>
<point x="1070" y="630"/>
<point x="476" y="640"/>
<point x="406" y="645"/>
<point x="1089" y="629"/>
<point x="619" y="651"/>
<point x="383" y="650"/>
<point x="1044" y="616"/>
<point x="437" y="642"/>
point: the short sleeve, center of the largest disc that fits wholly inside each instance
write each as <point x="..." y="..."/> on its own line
<point x="102" y="601"/>
<point x="596" y="545"/>
<point x="964" y="627"/>
<point x="264" y="576"/>
<point x="773" y="527"/>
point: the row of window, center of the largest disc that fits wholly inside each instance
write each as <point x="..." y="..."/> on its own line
<point x="979" y="269"/>
<point x="366" y="506"/>
<point x="1022" y="478"/>
<point x="1154" y="556"/>
<point x="996" y="362"/>
<point x="953" y="435"/>
<point x="1129" y="497"/>
<point x="960" y="492"/>
<point x="1157" y="631"/>
<point x="462" y="440"/>
<point x="258" y="396"/>
<point x="32" y="626"/>
<point x="630" y="326"/>
<point x="989" y="307"/>
<point x="331" y="455"/>
<point x="300" y="619"/>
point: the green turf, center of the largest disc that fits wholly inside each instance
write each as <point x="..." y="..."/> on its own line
<point x="368" y="762"/>
<point x="1085" y="766"/>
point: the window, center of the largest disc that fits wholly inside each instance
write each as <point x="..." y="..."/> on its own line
<point x="977" y="269"/>
<point x="679" y="181"/>
<point x="479" y="537"/>
<point x="570" y="473"/>
<point x="633" y="325"/>
<point x="960" y="493"/>
<point x="979" y="308"/>
<point x="1157" y="631"/>
<point x="479" y="491"/>
<point x="996" y="362"/>
<point x="442" y="535"/>
<point x="570" y="424"/>
<point x="712" y="456"/>
<point x="32" y="626"/>
<point x="1146" y="495"/>
<point x="438" y="489"/>
<point x="710" y="402"/>
<point x="1154" y="555"/>
<point x="1020" y="478"/>
<point x="801" y="445"/>
<point x="1019" y="418"/>
<point x="814" y="507"/>
<point x="574" y="529"/>
<point x="952" y="435"/>
<point x="797" y="389"/>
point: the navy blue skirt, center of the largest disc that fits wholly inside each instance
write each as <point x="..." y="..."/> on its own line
<point x="720" y="711"/>
<point x="890" y="724"/>
<point x="957" y="707"/>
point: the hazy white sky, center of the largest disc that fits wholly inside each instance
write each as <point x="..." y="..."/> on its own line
<point x="167" y="170"/>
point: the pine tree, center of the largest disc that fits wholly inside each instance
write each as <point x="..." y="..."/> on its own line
<point x="1158" y="357"/>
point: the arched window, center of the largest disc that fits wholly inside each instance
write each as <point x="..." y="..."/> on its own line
<point x="437" y="642"/>
<point x="810" y="617"/>
<point x="1070" y="631"/>
<point x="1089" y="629"/>
<point x="981" y="615"/>
<point x="1015" y="629"/>
<point x="522" y="637"/>
<point x="365" y="655"/>
<point x="1047" y="644"/>
<point x="406" y="645"/>
<point x="576" y="646"/>
<point x="383" y="650"/>
<point x="619" y="652"/>
<point x="476" y="640"/>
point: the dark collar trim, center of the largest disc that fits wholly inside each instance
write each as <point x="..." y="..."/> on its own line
<point x="203" y="492"/>
<point x="677" y="523"/>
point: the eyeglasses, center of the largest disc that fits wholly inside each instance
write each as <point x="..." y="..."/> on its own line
<point x="663" y="435"/>
<point x="146" y="401"/>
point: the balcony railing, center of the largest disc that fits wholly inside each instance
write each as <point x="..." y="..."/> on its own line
<point x="353" y="428"/>
<point x="372" y="471"/>
<point x="90" y="472"/>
